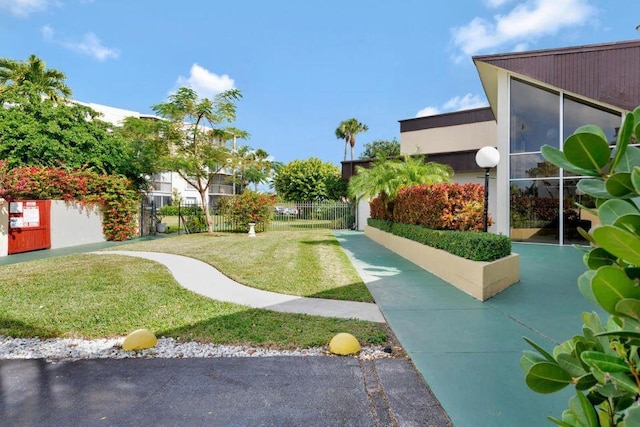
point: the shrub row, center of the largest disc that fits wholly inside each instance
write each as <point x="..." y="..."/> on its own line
<point x="184" y="210"/>
<point x="447" y="206"/>
<point x="475" y="246"/>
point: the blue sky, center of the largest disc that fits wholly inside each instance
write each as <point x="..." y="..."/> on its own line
<point x="303" y="66"/>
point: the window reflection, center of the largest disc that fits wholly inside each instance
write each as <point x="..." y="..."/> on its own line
<point x="577" y="213"/>
<point x="577" y="114"/>
<point x="535" y="211"/>
<point x="534" y="118"/>
<point x="531" y="166"/>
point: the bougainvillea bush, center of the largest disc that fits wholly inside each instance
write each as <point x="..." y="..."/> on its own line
<point x="446" y="206"/>
<point x="248" y="207"/>
<point x="114" y="194"/>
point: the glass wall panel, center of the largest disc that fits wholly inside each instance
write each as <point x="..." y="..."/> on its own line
<point x="535" y="211"/>
<point x="578" y="114"/>
<point x="535" y="118"/>
<point x="574" y="215"/>
<point x="531" y="166"/>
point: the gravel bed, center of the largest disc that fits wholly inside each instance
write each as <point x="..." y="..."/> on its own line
<point x="54" y="350"/>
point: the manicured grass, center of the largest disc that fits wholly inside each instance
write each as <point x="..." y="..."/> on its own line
<point x="96" y="296"/>
<point x="304" y="263"/>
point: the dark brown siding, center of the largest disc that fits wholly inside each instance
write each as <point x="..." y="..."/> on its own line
<point x="448" y="119"/>
<point x="609" y="73"/>
<point x="461" y="161"/>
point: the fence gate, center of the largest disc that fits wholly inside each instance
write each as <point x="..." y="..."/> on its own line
<point x="148" y="218"/>
<point x="29" y="225"/>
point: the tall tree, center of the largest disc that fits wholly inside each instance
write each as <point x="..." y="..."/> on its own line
<point x="347" y="130"/>
<point x="381" y="147"/>
<point x="389" y="176"/>
<point x="32" y="78"/>
<point x="193" y="148"/>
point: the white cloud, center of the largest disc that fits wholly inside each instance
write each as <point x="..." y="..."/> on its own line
<point x="89" y="45"/>
<point x="206" y="83"/>
<point x="24" y="8"/>
<point x="457" y="103"/>
<point x="428" y="111"/>
<point x="527" y="21"/>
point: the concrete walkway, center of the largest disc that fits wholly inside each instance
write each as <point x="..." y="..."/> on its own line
<point x="468" y="351"/>
<point x="204" y="279"/>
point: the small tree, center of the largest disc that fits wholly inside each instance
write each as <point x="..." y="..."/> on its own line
<point x="193" y="149"/>
<point x="309" y="180"/>
<point x="603" y="364"/>
<point x="381" y="147"/>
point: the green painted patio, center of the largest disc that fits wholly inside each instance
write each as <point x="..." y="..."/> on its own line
<point x="468" y="351"/>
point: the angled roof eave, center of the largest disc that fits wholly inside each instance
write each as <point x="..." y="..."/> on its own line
<point x="489" y="79"/>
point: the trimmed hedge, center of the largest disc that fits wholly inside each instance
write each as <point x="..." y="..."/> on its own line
<point x="184" y="210"/>
<point x="472" y="245"/>
<point x="446" y="206"/>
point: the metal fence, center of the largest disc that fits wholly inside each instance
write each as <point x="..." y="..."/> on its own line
<point x="285" y="216"/>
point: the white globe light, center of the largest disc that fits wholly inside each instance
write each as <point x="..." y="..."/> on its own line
<point x="487" y="157"/>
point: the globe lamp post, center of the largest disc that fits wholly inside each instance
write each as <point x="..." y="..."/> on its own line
<point x="487" y="158"/>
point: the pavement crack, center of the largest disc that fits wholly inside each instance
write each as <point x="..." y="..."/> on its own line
<point x="378" y="402"/>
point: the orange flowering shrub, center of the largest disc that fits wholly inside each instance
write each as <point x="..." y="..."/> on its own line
<point x="114" y="194"/>
<point x="447" y="206"/>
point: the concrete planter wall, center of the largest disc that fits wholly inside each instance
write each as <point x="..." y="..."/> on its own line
<point x="480" y="279"/>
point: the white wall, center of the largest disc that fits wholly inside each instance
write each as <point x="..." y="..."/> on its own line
<point x="471" y="136"/>
<point x="362" y="213"/>
<point x="73" y="225"/>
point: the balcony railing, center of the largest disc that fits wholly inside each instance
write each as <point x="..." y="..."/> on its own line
<point x="220" y="189"/>
<point x="163" y="187"/>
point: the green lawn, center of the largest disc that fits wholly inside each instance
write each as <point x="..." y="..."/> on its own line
<point x="304" y="263"/>
<point x="97" y="296"/>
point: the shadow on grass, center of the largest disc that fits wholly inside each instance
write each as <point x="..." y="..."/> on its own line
<point x="353" y="292"/>
<point x="18" y="329"/>
<point x="264" y="328"/>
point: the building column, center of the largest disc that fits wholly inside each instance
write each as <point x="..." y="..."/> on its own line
<point x="4" y="227"/>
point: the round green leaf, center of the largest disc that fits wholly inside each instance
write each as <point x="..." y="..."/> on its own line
<point x="571" y="365"/>
<point x="629" y="160"/>
<point x="588" y="148"/>
<point x="598" y="257"/>
<point x="610" y="285"/>
<point x="612" y="209"/>
<point x="557" y="157"/>
<point x="635" y="178"/>
<point x="629" y="307"/>
<point x="629" y="222"/>
<point x="624" y="135"/>
<point x="619" y="242"/>
<point x="547" y="377"/>
<point x="620" y="185"/>
<point x="594" y="187"/>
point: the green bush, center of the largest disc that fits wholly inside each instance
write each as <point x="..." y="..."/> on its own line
<point x="603" y="364"/>
<point x="248" y="207"/>
<point x="184" y="210"/>
<point x="472" y="245"/>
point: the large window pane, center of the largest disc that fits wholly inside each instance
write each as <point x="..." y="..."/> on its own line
<point x="535" y="118"/>
<point x="534" y="211"/>
<point x="578" y="114"/>
<point x="574" y="215"/>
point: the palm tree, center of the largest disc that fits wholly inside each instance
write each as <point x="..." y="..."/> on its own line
<point x="387" y="177"/>
<point x="347" y="130"/>
<point x="33" y="79"/>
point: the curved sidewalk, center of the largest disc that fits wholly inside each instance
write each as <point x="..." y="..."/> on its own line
<point x="205" y="280"/>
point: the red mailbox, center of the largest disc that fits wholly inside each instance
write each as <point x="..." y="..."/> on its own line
<point x="29" y="225"/>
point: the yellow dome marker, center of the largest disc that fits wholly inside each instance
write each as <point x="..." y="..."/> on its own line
<point x="344" y="344"/>
<point x="139" y="340"/>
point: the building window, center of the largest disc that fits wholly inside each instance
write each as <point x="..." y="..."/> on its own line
<point x="542" y="197"/>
